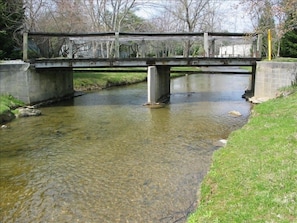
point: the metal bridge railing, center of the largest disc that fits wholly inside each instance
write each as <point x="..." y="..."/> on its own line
<point x="139" y="45"/>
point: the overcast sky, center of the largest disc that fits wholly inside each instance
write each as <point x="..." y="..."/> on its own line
<point x="235" y="19"/>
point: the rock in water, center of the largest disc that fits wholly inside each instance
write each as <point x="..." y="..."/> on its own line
<point x="255" y="100"/>
<point x="26" y="112"/>
<point x="155" y="105"/>
<point x="235" y="113"/>
<point x="6" y="116"/>
<point x="223" y="141"/>
<point x="220" y="143"/>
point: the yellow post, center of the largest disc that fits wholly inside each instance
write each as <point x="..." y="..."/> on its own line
<point x="269" y="44"/>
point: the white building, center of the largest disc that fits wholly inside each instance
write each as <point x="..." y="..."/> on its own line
<point x="236" y="50"/>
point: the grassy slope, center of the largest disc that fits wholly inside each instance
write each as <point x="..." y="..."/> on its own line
<point x="7" y="106"/>
<point x="284" y="59"/>
<point x="96" y="79"/>
<point x="8" y="102"/>
<point x="253" y="179"/>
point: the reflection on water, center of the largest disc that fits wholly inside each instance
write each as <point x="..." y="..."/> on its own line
<point x="103" y="157"/>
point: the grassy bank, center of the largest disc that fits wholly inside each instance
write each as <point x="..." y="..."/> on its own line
<point x="7" y="107"/>
<point x="253" y="178"/>
<point x="283" y="59"/>
<point x="96" y="79"/>
<point x="7" y="102"/>
<point x="99" y="79"/>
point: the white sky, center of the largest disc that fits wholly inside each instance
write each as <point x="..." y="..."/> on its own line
<point x="235" y="19"/>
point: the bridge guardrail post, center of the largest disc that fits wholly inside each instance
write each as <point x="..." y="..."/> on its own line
<point x="142" y="48"/>
<point x="70" y="46"/>
<point x="25" y="46"/>
<point x="254" y="48"/>
<point x="259" y="45"/>
<point x="117" y="44"/>
<point x="206" y="47"/>
<point x="212" y="47"/>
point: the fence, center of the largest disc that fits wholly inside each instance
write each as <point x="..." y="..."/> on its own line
<point x="139" y="45"/>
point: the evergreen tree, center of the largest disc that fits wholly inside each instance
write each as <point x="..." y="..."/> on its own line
<point x="289" y="44"/>
<point x="289" y="40"/>
<point x="11" y="21"/>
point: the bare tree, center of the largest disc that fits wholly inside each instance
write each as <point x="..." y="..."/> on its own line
<point x="106" y="16"/>
<point x="34" y="9"/>
<point x="190" y="16"/>
<point x="68" y="16"/>
<point x="54" y="16"/>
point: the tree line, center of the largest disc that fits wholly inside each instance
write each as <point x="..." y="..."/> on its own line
<point x="72" y="16"/>
<point x="280" y="16"/>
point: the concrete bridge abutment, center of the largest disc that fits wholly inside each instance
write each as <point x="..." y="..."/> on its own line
<point x="32" y="86"/>
<point x="271" y="76"/>
<point x="158" y="81"/>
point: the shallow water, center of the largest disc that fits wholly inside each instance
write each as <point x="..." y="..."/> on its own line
<point x="103" y="157"/>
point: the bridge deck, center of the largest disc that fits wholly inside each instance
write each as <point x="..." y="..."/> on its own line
<point x="142" y="62"/>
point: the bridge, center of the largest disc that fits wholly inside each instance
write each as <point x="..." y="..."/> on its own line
<point x="53" y="52"/>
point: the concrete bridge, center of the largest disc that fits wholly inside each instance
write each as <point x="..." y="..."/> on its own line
<point x="49" y="78"/>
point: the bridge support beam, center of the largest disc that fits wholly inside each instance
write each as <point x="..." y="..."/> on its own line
<point x="158" y="84"/>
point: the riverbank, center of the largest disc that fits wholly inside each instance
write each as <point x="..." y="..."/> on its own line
<point x="253" y="178"/>
<point x="94" y="79"/>
<point x="8" y="104"/>
<point x="97" y="79"/>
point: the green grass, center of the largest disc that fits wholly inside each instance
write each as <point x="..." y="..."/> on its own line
<point x="253" y="178"/>
<point x="283" y="59"/>
<point x="7" y="107"/>
<point x="143" y="69"/>
<point x="185" y="69"/>
<point x="247" y="68"/>
<point x="8" y="102"/>
<point x="98" y="78"/>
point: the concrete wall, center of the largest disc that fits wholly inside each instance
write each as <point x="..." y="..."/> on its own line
<point x="31" y="86"/>
<point x="13" y="79"/>
<point x="270" y="76"/>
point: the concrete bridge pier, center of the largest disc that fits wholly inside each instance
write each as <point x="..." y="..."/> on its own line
<point x="158" y="84"/>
